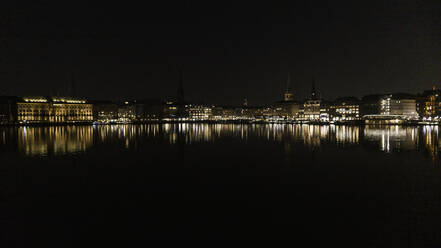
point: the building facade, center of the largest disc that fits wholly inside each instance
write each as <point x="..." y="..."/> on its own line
<point x="105" y="112"/>
<point x="344" y="110"/>
<point x="199" y="112"/>
<point x="370" y="105"/>
<point x="399" y="105"/>
<point x="429" y="104"/>
<point x="288" y="108"/>
<point x="53" y="110"/>
<point x="314" y="108"/>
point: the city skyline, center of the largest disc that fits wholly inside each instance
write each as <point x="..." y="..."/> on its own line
<point x="220" y="123"/>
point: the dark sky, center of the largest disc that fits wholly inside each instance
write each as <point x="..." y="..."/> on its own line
<point x="227" y="50"/>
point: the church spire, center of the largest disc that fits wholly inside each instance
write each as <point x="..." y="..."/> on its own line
<point x="288" y="82"/>
<point x="313" y="89"/>
<point x="288" y="94"/>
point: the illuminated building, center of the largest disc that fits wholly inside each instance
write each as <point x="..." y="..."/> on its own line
<point x="399" y="104"/>
<point x="288" y="96"/>
<point x="105" y="112"/>
<point x="345" y="109"/>
<point x="394" y="109"/>
<point x="225" y="113"/>
<point x="312" y="110"/>
<point x="429" y="104"/>
<point x="199" y="112"/>
<point x="127" y="112"/>
<point x="149" y="110"/>
<point x="170" y="109"/>
<point x="251" y="113"/>
<point x="287" y="108"/>
<point x="53" y="110"/>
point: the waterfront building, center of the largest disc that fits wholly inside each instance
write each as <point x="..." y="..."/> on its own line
<point x="312" y="108"/>
<point x="345" y="109"/>
<point x="105" y="111"/>
<point x="288" y="108"/>
<point x="169" y="109"/>
<point x="394" y="109"/>
<point x="127" y="112"/>
<point x="149" y="110"/>
<point x="199" y="112"/>
<point x="252" y="113"/>
<point x="399" y="105"/>
<point x="429" y="104"/>
<point x="53" y="110"/>
<point x="324" y="111"/>
<point x="370" y="105"/>
<point x="226" y="113"/>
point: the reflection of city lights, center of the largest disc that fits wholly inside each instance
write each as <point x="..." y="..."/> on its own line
<point x="62" y="140"/>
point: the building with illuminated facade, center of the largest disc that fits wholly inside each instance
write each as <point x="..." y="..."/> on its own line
<point x="149" y="110"/>
<point x="394" y="109"/>
<point x="226" y="113"/>
<point x="399" y="105"/>
<point x="52" y="110"/>
<point x="199" y="112"/>
<point x="344" y="109"/>
<point x="313" y="108"/>
<point x="127" y="112"/>
<point x="429" y="104"/>
<point x="105" y="112"/>
<point x="288" y="108"/>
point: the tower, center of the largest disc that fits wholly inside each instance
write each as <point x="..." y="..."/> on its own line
<point x="288" y="97"/>
<point x="314" y="94"/>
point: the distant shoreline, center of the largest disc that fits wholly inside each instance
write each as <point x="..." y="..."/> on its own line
<point x="359" y="123"/>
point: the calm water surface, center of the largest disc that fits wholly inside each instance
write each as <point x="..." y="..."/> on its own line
<point x="220" y="185"/>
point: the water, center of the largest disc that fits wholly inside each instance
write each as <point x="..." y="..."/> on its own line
<point x="220" y="185"/>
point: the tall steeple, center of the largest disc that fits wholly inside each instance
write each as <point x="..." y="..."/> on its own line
<point x="288" y="94"/>
<point x="180" y="92"/>
<point x="313" y="90"/>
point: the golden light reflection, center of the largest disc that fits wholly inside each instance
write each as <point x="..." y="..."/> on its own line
<point x="392" y="138"/>
<point x="57" y="140"/>
<point x="62" y="140"/>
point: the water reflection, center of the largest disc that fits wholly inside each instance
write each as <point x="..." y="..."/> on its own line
<point x="392" y="138"/>
<point x="54" y="140"/>
<point x="59" y="140"/>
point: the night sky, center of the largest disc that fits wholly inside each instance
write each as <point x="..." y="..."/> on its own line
<point x="227" y="50"/>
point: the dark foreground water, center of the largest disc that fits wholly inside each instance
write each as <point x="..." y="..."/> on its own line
<point x="201" y="185"/>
